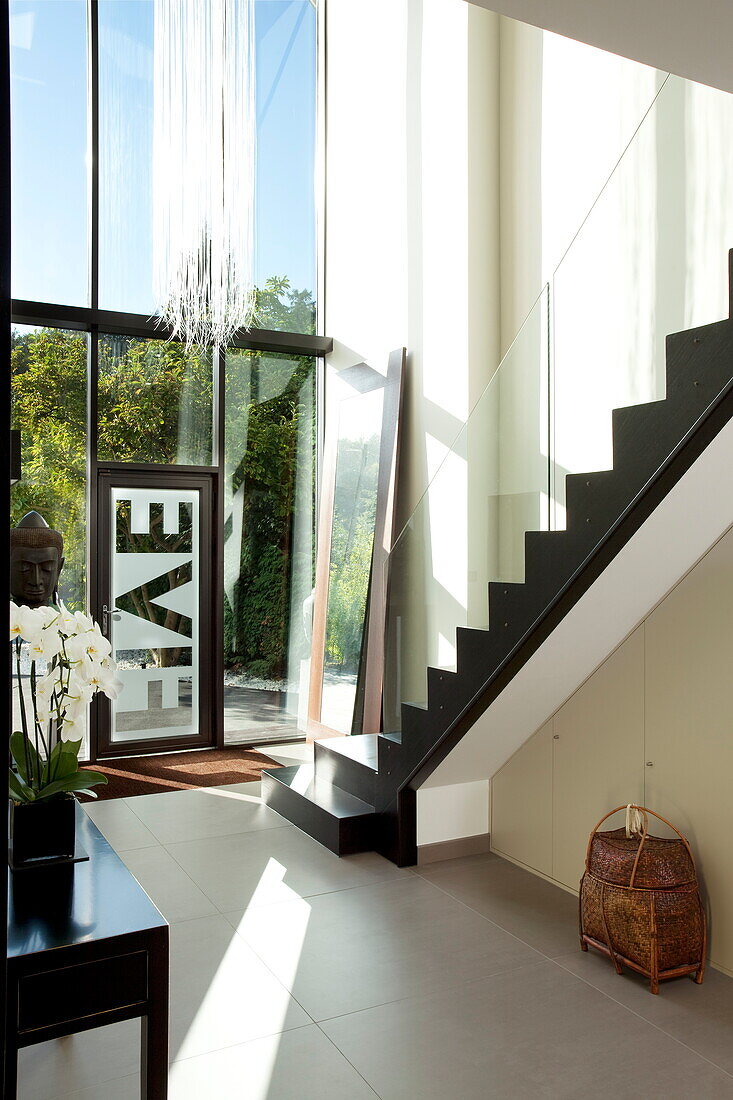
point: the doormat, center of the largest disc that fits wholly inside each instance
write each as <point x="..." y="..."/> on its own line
<point x="179" y="771"/>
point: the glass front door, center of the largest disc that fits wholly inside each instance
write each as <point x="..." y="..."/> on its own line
<point x="156" y="594"/>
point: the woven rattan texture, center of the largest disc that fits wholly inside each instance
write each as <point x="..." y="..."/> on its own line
<point x="646" y="912"/>
<point x="663" y="863"/>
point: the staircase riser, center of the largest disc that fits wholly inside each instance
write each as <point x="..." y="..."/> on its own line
<point x="442" y="687"/>
<point x="509" y="603"/>
<point x="599" y="494"/>
<point x="702" y="355"/>
<point x="341" y="836"/>
<point x="340" y="770"/>
<point x="388" y="756"/>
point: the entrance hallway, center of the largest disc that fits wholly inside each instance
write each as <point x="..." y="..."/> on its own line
<point x="296" y="975"/>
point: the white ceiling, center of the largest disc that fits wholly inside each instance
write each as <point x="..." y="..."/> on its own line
<point x="690" y="39"/>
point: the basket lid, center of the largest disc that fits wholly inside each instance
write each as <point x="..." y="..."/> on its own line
<point x="663" y="862"/>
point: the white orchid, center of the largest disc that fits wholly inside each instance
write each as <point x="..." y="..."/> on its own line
<point x="66" y="620"/>
<point x="45" y="688"/>
<point x="102" y="678"/>
<point x="25" y="622"/>
<point x="46" y="645"/>
<point x="72" y="728"/>
<point x="98" y="647"/>
<point x="77" y="692"/>
<point x="48" y="683"/>
<point x="83" y="622"/>
<point x="78" y="664"/>
<point x="49" y="615"/>
<point x="43" y="710"/>
<point x="88" y="649"/>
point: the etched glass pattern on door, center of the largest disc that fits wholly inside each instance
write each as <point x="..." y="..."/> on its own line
<point x="155" y="626"/>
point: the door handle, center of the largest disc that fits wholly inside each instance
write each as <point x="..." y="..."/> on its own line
<point x="106" y="616"/>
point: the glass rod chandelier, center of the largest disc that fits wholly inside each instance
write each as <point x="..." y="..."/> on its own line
<point x="204" y="167"/>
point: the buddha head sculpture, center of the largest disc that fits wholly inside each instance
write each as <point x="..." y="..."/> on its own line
<point x="36" y="560"/>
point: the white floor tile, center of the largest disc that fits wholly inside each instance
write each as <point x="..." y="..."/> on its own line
<point x="352" y="949"/>
<point x="122" y="828"/>
<point x="207" y="812"/>
<point x="169" y="887"/>
<point x="298" y="1065"/>
<point x="274" y="865"/>
<point x="299" y="753"/>
<point x="533" y="1032"/>
<point x="221" y="993"/>
<point x="87" y="1060"/>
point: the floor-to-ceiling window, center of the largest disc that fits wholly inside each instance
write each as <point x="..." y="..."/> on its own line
<point x="114" y="416"/>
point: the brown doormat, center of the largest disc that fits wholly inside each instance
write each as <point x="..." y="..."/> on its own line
<point x="180" y="771"/>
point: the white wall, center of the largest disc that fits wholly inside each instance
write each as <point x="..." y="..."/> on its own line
<point x="450" y="813"/>
<point x="692" y="40"/>
<point x="412" y="258"/>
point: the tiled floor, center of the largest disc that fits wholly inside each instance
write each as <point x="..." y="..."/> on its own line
<point x="299" y="976"/>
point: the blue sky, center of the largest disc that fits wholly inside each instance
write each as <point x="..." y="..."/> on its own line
<point x="50" y="137"/>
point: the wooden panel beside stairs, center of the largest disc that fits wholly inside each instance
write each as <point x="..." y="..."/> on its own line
<point x="360" y="793"/>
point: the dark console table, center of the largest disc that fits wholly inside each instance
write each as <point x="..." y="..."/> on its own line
<point x="86" y="947"/>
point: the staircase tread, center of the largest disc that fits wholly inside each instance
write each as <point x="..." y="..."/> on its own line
<point x="360" y="747"/>
<point x="301" y="779"/>
<point x="395" y="737"/>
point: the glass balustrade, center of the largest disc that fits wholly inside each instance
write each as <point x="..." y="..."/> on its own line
<point x="468" y="529"/>
<point x="649" y="260"/>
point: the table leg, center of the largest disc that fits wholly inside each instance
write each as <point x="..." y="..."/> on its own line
<point x="10" y="1090"/>
<point x="154" y="1025"/>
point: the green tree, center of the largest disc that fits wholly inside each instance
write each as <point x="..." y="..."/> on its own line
<point x="270" y="430"/>
<point x="49" y="370"/>
<point x="351" y="551"/>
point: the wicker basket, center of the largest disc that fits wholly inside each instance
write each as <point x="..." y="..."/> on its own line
<point x="640" y="902"/>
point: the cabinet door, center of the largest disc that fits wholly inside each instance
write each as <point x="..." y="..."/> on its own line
<point x="598" y="754"/>
<point x="521" y="804"/>
<point x="689" y="726"/>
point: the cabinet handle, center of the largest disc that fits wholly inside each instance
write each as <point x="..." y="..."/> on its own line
<point x="556" y="737"/>
<point x="650" y="763"/>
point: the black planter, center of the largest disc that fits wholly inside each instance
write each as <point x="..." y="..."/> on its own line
<point x="41" y="831"/>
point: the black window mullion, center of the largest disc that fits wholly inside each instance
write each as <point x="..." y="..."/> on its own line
<point x="93" y="123"/>
<point x="48" y="314"/>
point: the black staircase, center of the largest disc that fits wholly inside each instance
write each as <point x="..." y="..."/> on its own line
<point x="360" y="793"/>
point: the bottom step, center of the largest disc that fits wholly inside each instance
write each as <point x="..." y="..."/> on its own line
<point x="334" y="818"/>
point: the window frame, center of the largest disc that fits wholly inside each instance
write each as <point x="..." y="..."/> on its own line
<point x="91" y="319"/>
<point x="101" y="322"/>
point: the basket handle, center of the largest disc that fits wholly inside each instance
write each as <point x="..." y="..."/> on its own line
<point x="644" y="835"/>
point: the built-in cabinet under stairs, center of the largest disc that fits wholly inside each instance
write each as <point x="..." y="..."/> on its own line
<point x="360" y="792"/>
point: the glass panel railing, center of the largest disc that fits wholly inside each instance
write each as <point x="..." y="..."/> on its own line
<point x="491" y="486"/>
<point x="650" y="259"/>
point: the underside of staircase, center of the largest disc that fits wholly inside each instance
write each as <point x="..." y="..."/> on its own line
<point x="360" y="792"/>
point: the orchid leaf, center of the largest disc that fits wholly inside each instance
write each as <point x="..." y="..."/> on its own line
<point x="63" y="761"/>
<point x="79" y="781"/>
<point x="23" y="752"/>
<point x="17" y="787"/>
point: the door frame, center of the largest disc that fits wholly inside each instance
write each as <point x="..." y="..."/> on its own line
<point x="205" y="480"/>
